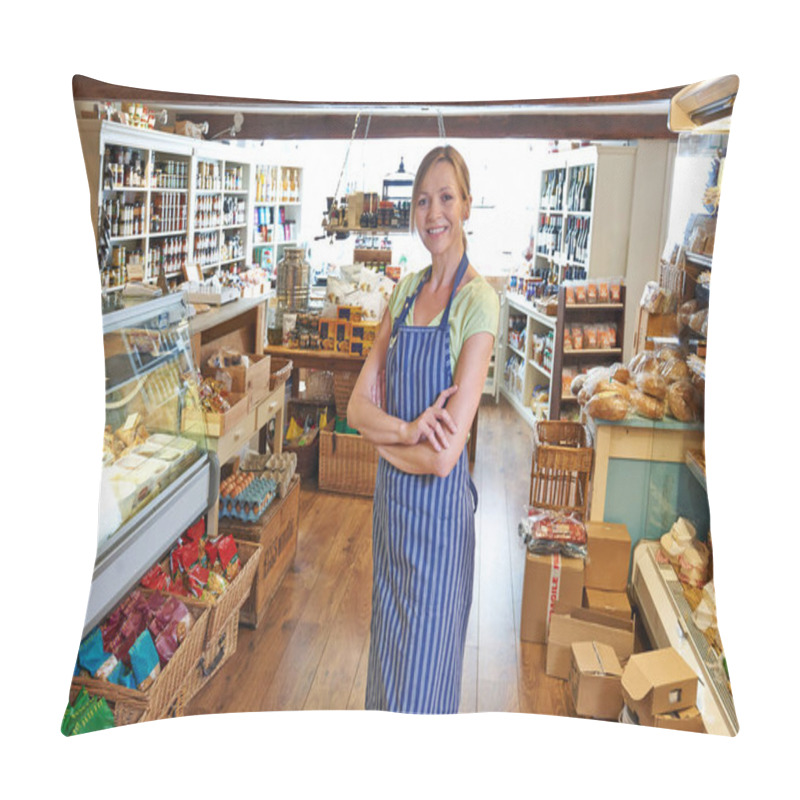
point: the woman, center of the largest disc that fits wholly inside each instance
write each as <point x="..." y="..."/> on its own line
<point x="415" y="399"/>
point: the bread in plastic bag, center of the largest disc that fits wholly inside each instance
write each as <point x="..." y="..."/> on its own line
<point x="548" y="531"/>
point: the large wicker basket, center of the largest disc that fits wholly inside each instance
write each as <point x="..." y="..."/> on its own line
<point x="343" y="384"/>
<point x="347" y="463"/>
<point x="561" y="467"/>
<point x="165" y="696"/>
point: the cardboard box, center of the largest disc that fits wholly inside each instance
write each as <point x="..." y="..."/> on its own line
<point x="551" y="584"/>
<point x="252" y="380"/>
<point x="594" y="679"/>
<point x="658" y="682"/>
<point x="327" y="328"/>
<point x="609" y="556"/>
<point x="584" y="625"/>
<point x="688" y="719"/>
<point x="615" y="603"/>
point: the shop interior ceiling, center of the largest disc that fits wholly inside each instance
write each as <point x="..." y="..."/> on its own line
<point x="644" y="115"/>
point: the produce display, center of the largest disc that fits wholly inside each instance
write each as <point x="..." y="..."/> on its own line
<point x="653" y="385"/>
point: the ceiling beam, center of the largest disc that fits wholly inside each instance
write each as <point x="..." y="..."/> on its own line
<point x="559" y="118"/>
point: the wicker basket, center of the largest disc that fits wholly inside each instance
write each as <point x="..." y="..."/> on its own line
<point x="233" y="598"/>
<point x="125" y="713"/>
<point x="164" y="697"/>
<point x="280" y="370"/>
<point x="343" y="384"/>
<point x="214" y="655"/>
<point x="347" y="463"/>
<point x="561" y="467"/>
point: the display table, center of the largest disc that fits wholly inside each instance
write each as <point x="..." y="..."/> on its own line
<point x="640" y="476"/>
<point x="341" y="362"/>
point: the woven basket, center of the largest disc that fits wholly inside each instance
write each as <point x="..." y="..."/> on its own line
<point x="214" y="655"/>
<point x="232" y="599"/>
<point x="347" y="463"/>
<point x="280" y="370"/>
<point x="343" y="384"/>
<point x="164" y="697"/>
<point x="561" y="467"/>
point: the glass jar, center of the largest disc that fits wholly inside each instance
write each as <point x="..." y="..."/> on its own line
<point x="292" y="290"/>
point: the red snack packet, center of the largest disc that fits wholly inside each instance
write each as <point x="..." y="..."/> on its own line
<point x="227" y="549"/>
<point x="196" y="531"/>
<point x="197" y="579"/>
<point x="212" y="552"/>
<point x="155" y="578"/>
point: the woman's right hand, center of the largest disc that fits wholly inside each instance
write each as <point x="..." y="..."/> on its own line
<point x="432" y="424"/>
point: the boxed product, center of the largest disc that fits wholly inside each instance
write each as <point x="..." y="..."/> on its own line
<point x="584" y="625"/>
<point x="658" y="682"/>
<point x="609" y="555"/>
<point x="616" y="603"/>
<point x="552" y="583"/>
<point x="594" y="680"/>
<point x="687" y="719"/>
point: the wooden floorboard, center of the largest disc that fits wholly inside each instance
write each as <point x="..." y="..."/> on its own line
<point x="310" y="650"/>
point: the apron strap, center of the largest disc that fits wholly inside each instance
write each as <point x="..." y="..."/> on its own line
<point x="409" y="301"/>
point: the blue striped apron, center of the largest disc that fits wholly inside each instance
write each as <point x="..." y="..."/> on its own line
<point x="423" y="542"/>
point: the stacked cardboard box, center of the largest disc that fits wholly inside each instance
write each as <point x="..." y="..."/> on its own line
<point x="607" y="565"/>
<point x="594" y="678"/>
<point x="552" y="584"/>
<point x="660" y="688"/>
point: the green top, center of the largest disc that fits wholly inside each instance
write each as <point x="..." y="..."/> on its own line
<point x="475" y="308"/>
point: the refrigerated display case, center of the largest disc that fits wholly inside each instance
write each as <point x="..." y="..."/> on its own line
<point x="158" y="475"/>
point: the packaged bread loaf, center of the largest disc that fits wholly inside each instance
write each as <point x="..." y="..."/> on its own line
<point x="619" y="372"/>
<point x="647" y="406"/>
<point x="610" y="406"/>
<point x="668" y="352"/>
<point x="686" y="310"/>
<point x="577" y="384"/>
<point x="646" y="361"/>
<point x="683" y="401"/>
<point x="676" y="369"/>
<point x="651" y="383"/>
<point x="613" y="386"/>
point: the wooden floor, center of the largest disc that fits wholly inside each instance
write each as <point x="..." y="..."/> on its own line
<point x="310" y="651"/>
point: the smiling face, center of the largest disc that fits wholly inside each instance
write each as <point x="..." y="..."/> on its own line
<point x="440" y="210"/>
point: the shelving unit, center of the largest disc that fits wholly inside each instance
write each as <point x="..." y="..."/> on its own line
<point x="580" y="230"/>
<point x="561" y="400"/>
<point x="186" y="201"/>
<point x="276" y="212"/>
<point x="532" y="368"/>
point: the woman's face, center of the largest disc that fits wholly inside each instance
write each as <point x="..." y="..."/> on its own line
<point x="440" y="211"/>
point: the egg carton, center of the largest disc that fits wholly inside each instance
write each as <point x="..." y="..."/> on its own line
<point x="281" y="468"/>
<point x="250" y="504"/>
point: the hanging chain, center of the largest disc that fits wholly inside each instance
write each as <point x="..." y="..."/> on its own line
<point x="347" y="154"/>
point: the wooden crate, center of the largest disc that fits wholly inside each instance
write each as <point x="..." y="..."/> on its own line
<point x="276" y="534"/>
<point x="165" y="696"/>
<point x="217" y="425"/>
<point x="347" y="463"/>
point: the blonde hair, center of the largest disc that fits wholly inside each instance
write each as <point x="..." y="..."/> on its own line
<point x="456" y="160"/>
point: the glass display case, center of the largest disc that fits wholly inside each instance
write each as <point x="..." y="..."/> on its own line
<point x="158" y="476"/>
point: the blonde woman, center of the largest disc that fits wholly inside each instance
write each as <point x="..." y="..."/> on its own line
<point x="415" y="399"/>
